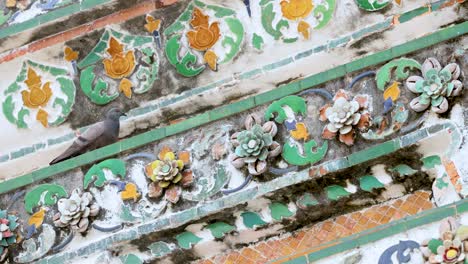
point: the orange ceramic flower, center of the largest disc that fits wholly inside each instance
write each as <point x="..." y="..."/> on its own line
<point x="296" y="9"/>
<point x="120" y="65"/>
<point x="38" y="94"/>
<point x="204" y="36"/>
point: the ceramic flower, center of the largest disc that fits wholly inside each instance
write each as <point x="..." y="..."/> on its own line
<point x="344" y="116"/>
<point x="168" y="174"/>
<point x="255" y="145"/>
<point x="74" y="212"/>
<point x="296" y="9"/>
<point x="203" y="36"/>
<point x="435" y="86"/>
<point x="120" y="64"/>
<point x="8" y="224"/>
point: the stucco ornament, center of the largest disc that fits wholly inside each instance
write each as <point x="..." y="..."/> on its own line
<point x="434" y="86"/>
<point x="290" y="20"/>
<point x="118" y="64"/>
<point x="168" y="174"/>
<point x="344" y="116"/>
<point x="450" y="247"/>
<point x="8" y="224"/>
<point x="204" y="34"/>
<point x="255" y="145"/>
<point x="74" y="212"/>
<point x="47" y="95"/>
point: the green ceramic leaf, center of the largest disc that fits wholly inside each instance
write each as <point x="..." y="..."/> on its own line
<point x="208" y="188"/>
<point x="336" y="192"/>
<point x="292" y="155"/>
<point x="440" y="183"/>
<point x="96" y="93"/>
<point x="372" y="5"/>
<point x="296" y="103"/>
<point x="430" y="162"/>
<point x="401" y="68"/>
<point x="116" y="166"/>
<point x="187" y="239"/>
<point x="257" y="41"/>
<point x="369" y="182"/>
<point x="404" y="169"/>
<point x="268" y="16"/>
<point x="233" y="44"/>
<point x="324" y="12"/>
<point x="280" y="211"/>
<point x="185" y="66"/>
<point x="252" y="219"/>
<point x="434" y="244"/>
<point x="44" y="194"/>
<point x="218" y="229"/>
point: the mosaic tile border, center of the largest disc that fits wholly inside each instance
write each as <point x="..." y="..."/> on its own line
<point x="50" y="16"/>
<point x="376" y="233"/>
<point x="237" y="107"/>
<point x="247" y="194"/>
<point x="307" y="82"/>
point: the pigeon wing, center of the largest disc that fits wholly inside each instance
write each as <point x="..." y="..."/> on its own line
<point x="84" y="142"/>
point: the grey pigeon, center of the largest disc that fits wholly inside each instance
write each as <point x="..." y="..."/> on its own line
<point x="98" y="135"/>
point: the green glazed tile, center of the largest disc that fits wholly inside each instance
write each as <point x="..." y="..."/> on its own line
<point x="4" y="158"/>
<point x="159" y="249"/>
<point x="373" y="152"/>
<point x="131" y="259"/>
<point x="277" y="93"/>
<point x="187" y="239"/>
<point x="412" y="14"/>
<point x="369" y="60"/>
<point x="430" y="162"/>
<point x="278" y="64"/>
<point x="369" y="182"/>
<point x="430" y="216"/>
<point x="59" y="13"/>
<point x="404" y="170"/>
<point x="231" y="109"/>
<point x="306" y="200"/>
<point x="336" y="192"/>
<point x="20" y="27"/>
<point x="251" y="219"/>
<point x="299" y="260"/>
<point x="279" y="211"/>
<point x="219" y="229"/>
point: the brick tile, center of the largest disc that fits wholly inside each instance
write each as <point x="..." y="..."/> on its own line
<point x="243" y="260"/>
<point x="322" y="234"/>
<point x="266" y="251"/>
<point x="341" y="220"/>
<point x="232" y="258"/>
<point x="252" y="254"/>
<point x="328" y="226"/>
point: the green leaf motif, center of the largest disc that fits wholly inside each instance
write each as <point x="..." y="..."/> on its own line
<point x="400" y="66"/>
<point x="369" y="182"/>
<point x="324" y="11"/>
<point x="187" y="239"/>
<point x="44" y="194"/>
<point x="98" y="93"/>
<point x="372" y="5"/>
<point x="268" y="16"/>
<point x="296" y="103"/>
<point x="257" y="41"/>
<point x="440" y="183"/>
<point x="183" y="66"/>
<point x="251" y="219"/>
<point x="208" y="188"/>
<point x="404" y="170"/>
<point x="434" y="244"/>
<point x="4" y="17"/>
<point x="292" y="155"/>
<point x="234" y="45"/>
<point x="280" y="211"/>
<point x="336" y="192"/>
<point x="116" y="166"/>
<point x="430" y="162"/>
<point x="219" y="229"/>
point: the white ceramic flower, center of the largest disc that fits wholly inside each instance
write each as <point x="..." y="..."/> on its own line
<point x="74" y="211"/>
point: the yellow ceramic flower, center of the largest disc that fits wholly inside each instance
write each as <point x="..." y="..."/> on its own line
<point x="296" y="9"/>
<point x="120" y="65"/>
<point x="38" y="94"/>
<point x="166" y="170"/>
<point x="204" y="36"/>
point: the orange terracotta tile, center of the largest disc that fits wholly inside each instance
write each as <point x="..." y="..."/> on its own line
<point x="321" y="235"/>
<point x="266" y="251"/>
<point x="243" y="260"/>
<point x="252" y="254"/>
<point x="232" y="258"/>
<point x="328" y="226"/>
<point x="341" y="220"/>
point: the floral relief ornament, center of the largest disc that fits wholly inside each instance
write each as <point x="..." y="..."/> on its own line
<point x="8" y="224"/>
<point x="255" y="145"/>
<point x="120" y="65"/>
<point x="435" y="86"/>
<point x="74" y="212"/>
<point x="168" y="174"/>
<point x="450" y="248"/>
<point x="344" y="116"/>
<point x="37" y="95"/>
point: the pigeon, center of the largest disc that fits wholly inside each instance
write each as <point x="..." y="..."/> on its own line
<point x="98" y="135"/>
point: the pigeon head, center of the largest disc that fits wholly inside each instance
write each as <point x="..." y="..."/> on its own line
<point x="115" y="114"/>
